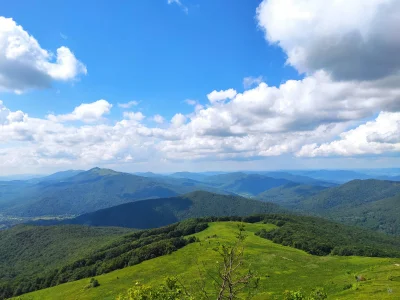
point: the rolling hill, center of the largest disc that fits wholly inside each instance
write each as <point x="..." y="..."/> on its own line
<point x="367" y="203"/>
<point x="382" y="215"/>
<point x="338" y="176"/>
<point x="352" y="194"/>
<point x="297" y="178"/>
<point x="290" y="194"/>
<point x="26" y="251"/>
<point x="153" y="213"/>
<point x="88" y="191"/>
<point x="245" y="184"/>
<point x="279" y="267"/>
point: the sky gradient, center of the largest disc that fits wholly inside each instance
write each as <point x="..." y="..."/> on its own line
<point x="170" y="85"/>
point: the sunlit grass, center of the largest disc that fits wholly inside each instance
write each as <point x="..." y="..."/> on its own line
<point x="280" y="268"/>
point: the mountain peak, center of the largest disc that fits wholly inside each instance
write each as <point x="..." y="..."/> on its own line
<point x="102" y="172"/>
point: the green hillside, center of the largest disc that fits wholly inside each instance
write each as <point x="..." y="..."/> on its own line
<point x="34" y="258"/>
<point x="153" y="213"/>
<point x="351" y="194"/>
<point x="382" y="215"/>
<point x="370" y="203"/>
<point x="280" y="268"/>
<point x="290" y="194"/>
<point x="26" y="251"/>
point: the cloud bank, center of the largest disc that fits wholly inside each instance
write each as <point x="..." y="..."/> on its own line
<point x="347" y="104"/>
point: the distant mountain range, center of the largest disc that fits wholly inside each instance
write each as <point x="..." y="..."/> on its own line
<point x="76" y="192"/>
<point x="369" y="203"/>
<point x="87" y="191"/>
<point x="153" y="213"/>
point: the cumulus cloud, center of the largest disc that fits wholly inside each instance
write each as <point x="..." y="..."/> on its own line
<point x="25" y="65"/>
<point x="158" y="119"/>
<point x="135" y="116"/>
<point x="178" y="120"/>
<point x="221" y="96"/>
<point x="363" y="45"/>
<point x="381" y="135"/>
<point x="129" y="104"/>
<point x="87" y="112"/>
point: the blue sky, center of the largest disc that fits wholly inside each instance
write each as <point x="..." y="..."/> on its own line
<point x="216" y="85"/>
<point x="148" y="51"/>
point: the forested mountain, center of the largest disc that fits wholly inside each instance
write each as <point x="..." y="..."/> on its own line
<point x="60" y="175"/>
<point x="245" y="184"/>
<point x="26" y="251"/>
<point x="367" y="203"/>
<point x="88" y="191"/>
<point x="290" y="194"/>
<point x="153" y="213"/>
<point x="338" y="176"/>
<point x="352" y="194"/>
<point x="302" y="179"/>
<point x="381" y="215"/>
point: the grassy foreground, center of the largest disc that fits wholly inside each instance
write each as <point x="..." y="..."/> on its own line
<point x="280" y="268"/>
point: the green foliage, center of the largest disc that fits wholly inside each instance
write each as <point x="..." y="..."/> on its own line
<point x="27" y="251"/>
<point x="322" y="237"/>
<point x="126" y="250"/>
<point x="293" y="295"/>
<point x="381" y="215"/>
<point x="170" y="290"/>
<point x="94" y="283"/>
<point x="279" y="268"/>
<point x="316" y="294"/>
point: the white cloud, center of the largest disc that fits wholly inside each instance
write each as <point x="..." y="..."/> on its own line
<point x="63" y="36"/>
<point x="135" y="116"/>
<point x="25" y="65"/>
<point x="362" y="45"/>
<point x="191" y="102"/>
<point x="178" y="120"/>
<point x="128" y="104"/>
<point x="195" y="103"/>
<point x="86" y="112"/>
<point x="158" y="119"/>
<point x="179" y="3"/>
<point x="249" y="82"/>
<point x="375" y="137"/>
<point x="221" y="96"/>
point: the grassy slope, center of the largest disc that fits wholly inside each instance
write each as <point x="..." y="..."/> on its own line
<point x="280" y="268"/>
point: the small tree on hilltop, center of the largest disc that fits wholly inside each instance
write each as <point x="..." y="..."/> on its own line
<point x="232" y="277"/>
